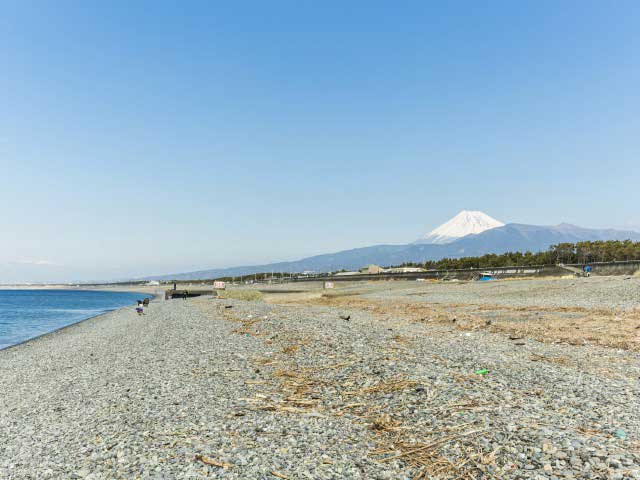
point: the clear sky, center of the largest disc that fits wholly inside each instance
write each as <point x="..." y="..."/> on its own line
<point x="141" y="138"/>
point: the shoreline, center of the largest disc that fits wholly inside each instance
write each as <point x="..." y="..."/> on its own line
<point x="60" y="329"/>
<point x="154" y="297"/>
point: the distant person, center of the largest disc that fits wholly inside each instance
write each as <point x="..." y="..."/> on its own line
<point x="140" y="309"/>
<point x="587" y="270"/>
<point x="175" y="286"/>
<point x="186" y="294"/>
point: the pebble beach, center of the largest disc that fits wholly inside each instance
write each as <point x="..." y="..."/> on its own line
<point x="225" y="388"/>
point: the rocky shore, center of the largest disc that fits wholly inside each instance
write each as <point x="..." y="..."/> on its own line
<point x="215" y="388"/>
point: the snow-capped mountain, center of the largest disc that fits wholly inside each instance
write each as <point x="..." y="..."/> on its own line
<point x="467" y="222"/>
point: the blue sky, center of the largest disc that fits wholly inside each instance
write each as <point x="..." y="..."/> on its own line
<point x="153" y="137"/>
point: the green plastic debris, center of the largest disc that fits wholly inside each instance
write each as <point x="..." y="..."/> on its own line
<point x="483" y="371"/>
<point x="621" y="434"/>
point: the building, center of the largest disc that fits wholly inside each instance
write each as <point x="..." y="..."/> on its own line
<point x="372" y="269"/>
<point x="405" y="270"/>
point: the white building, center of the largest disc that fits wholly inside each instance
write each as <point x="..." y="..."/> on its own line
<point x="405" y="270"/>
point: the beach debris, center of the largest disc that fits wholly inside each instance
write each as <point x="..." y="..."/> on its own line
<point x="211" y="461"/>
<point x="487" y="322"/>
<point x="482" y="371"/>
<point x="228" y="306"/>
<point x="515" y="337"/>
<point x="383" y="423"/>
<point x="391" y="385"/>
<point x="290" y="349"/>
<point x="345" y="317"/>
<point x="430" y="458"/>
<point x="279" y="475"/>
<point x="557" y="360"/>
<point x="621" y="434"/>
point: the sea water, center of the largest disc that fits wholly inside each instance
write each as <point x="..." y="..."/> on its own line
<point x="26" y="314"/>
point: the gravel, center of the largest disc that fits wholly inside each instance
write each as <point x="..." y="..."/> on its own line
<point x="583" y="292"/>
<point x="260" y="391"/>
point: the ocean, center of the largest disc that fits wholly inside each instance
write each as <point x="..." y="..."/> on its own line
<point x="26" y="314"/>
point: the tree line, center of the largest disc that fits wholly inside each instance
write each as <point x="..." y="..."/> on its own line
<point x="580" y="252"/>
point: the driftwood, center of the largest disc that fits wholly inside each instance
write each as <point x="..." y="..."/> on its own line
<point x="211" y="461"/>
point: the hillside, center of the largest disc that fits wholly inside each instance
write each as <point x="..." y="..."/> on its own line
<point x="510" y="237"/>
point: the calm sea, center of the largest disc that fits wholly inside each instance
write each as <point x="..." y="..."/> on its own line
<point x="25" y="314"/>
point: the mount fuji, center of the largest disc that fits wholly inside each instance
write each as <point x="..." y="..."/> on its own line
<point x="467" y="222"/>
<point x="468" y="234"/>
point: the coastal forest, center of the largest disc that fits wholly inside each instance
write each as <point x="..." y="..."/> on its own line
<point x="580" y="252"/>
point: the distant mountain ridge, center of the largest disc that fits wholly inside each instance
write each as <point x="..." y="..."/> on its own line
<point x="510" y="237"/>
